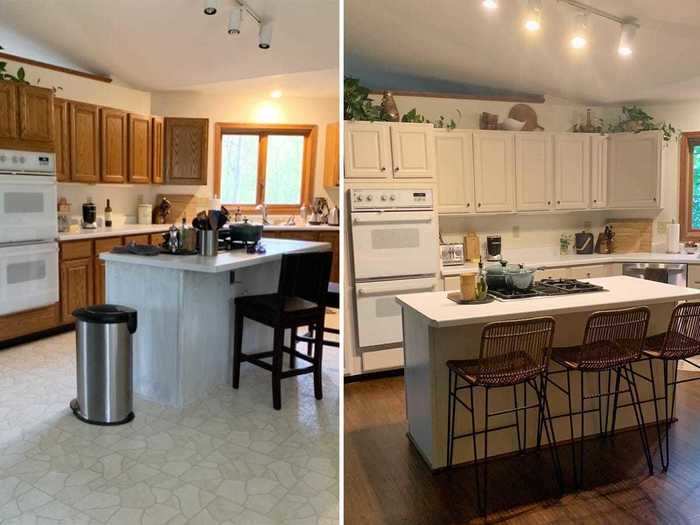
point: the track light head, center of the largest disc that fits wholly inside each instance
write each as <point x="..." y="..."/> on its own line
<point x="490" y="4"/>
<point x="234" y="21"/>
<point x="265" y="35"/>
<point x="579" y="39"/>
<point x="627" y="32"/>
<point x="210" y="7"/>
<point x="533" y="18"/>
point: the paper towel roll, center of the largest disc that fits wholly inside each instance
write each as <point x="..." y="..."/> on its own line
<point x="673" y="238"/>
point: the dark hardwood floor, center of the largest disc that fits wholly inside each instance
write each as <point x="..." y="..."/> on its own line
<point x="386" y="481"/>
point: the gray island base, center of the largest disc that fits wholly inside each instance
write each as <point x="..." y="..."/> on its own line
<point x="436" y="330"/>
<point x="182" y="347"/>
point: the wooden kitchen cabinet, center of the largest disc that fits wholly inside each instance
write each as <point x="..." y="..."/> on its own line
<point x="634" y="168"/>
<point x="494" y="171"/>
<point x="157" y="143"/>
<point x="61" y="139"/>
<point x="572" y="170"/>
<point x="8" y="110"/>
<point x="102" y="245"/>
<point x="331" y="164"/>
<point x="333" y="239"/>
<point x="186" y="144"/>
<point x="367" y="150"/>
<point x="454" y="170"/>
<point x="77" y="277"/>
<point x="413" y="151"/>
<point x="137" y="239"/>
<point x="599" y="171"/>
<point x="139" y="149"/>
<point x="29" y="322"/>
<point x="534" y="178"/>
<point x="84" y="142"/>
<point x="36" y="121"/>
<point x="589" y="272"/>
<point x="113" y="143"/>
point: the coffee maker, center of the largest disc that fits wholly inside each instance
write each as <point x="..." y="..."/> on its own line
<point x="493" y="248"/>
<point x="89" y="215"/>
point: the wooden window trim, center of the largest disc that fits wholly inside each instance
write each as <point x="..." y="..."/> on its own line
<point x="685" y="187"/>
<point x="310" y="133"/>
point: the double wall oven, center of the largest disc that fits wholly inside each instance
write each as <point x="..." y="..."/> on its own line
<point x="28" y="231"/>
<point x="395" y="251"/>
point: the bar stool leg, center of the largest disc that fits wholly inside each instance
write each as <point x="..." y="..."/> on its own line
<point x="571" y="425"/>
<point x="309" y="344"/>
<point x="237" y="350"/>
<point x="637" y="406"/>
<point x="600" y="405"/>
<point x="618" y="375"/>
<point x="668" y="423"/>
<point x="277" y="356"/>
<point x="607" y="406"/>
<point x="583" y="432"/>
<point x="292" y="348"/>
<point x="450" y="417"/>
<point x="481" y="503"/>
<point x="656" y="415"/>
<point x="318" y="360"/>
<point x="517" y="418"/>
<point x="549" y="430"/>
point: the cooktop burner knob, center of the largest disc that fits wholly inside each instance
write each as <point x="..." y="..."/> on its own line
<point x="383" y="197"/>
<point x="369" y="198"/>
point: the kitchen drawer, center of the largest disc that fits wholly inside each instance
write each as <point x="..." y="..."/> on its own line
<point x="106" y="245"/>
<point x="29" y="322"/>
<point x="694" y="276"/>
<point x="552" y="273"/>
<point x="76" y="250"/>
<point x="138" y="239"/>
<point x="376" y="360"/>
<point x="271" y="235"/>
<point x="589" y="272"/>
<point x="156" y="239"/>
<point x="299" y="235"/>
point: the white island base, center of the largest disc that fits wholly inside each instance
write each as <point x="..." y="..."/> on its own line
<point x="436" y="330"/>
<point x="182" y="345"/>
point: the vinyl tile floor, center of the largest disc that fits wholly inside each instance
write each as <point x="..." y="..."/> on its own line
<point x="228" y="459"/>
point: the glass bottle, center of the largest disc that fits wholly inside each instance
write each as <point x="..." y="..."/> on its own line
<point x="482" y="288"/>
<point x="108" y="215"/>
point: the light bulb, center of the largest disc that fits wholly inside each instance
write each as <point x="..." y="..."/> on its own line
<point x="579" y="42"/>
<point x="627" y="33"/>
<point x="276" y="93"/>
<point x="490" y="4"/>
<point x="579" y="39"/>
<point x="534" y="15"/>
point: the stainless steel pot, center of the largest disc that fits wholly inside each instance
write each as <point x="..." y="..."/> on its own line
<point x="496" y="277"/>
<point x="519" y="277"/>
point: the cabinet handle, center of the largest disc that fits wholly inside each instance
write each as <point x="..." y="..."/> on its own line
<point x="396" y="168"/>
<point x="383" y="168"/>
<point x="654" y="199"/>
<point x="594" y="200"/>
<point x="469" y="204"/>
<point x="558" y="202"/>
<point x="479" y="205"/>
<point x="549" y="202"/>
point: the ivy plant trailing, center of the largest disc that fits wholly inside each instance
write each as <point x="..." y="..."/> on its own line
<point x="635" y="119"/>
<point x="17" y="77"/>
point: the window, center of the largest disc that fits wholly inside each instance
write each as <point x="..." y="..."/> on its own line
<point x="273" y="165"/>
<point x="689" y="205"/>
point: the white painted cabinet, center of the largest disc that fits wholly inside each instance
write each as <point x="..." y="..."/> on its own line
<point x="589" y="272"/>
<point x="599" y="171"/>
<point x="383" y="150"/>
<point x="534" y="183"/>
<point x="413" y="151"/>
<point x="454" y="169"/>
<point x="494" y="171"/>
<point x="634" y="168"/>
<point x="572" y="159"/>
<point x="367" y="150"/>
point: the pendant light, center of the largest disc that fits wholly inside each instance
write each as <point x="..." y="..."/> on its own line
<point x="627" y="33"/>
<point x="579" y="39"/>
<point x="490" y="4"/>
<point x="533" y="18"/>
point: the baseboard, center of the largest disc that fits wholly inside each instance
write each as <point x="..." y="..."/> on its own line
<point x="36" y="336"/>
<point x="397" y="372"/>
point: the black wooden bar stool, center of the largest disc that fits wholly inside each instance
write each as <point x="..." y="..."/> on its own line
<point x="512" y="353"/>
<point x="332" y="301"/>
<point x="612" y="342"/>
<point x="300" y="301"/>
<point x="681" y="341"/>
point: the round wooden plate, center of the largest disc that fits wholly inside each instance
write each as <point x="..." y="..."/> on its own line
<point x="525" y="113"/>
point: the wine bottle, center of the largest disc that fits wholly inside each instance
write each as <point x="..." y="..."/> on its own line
<point x="108" y="215"/>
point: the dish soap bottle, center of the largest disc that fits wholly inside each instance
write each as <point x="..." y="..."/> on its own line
<point x="482" y="288"/>
<point x="108" y="215"/>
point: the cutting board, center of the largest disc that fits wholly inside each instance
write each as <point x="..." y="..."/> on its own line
<point x="472" y="247"/>
<point x="183" y="205"/>
<point x="632" y="235"/>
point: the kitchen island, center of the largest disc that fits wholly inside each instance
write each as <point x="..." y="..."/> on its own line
<point x="182" y="347"/>
<point x="436" y="329"/>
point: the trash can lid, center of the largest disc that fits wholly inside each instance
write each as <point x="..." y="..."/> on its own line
<point x="106" y="314"/>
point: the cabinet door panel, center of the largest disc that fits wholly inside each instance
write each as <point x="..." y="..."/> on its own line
<point x="634" y="170"/>
<point x="186" y="150"/>
<point x="84" y="142"/>
<point x="61" y="139"/>
<point x="139" y="149"/>
<point x="113" y="145"/>
<point x="599" y="172"/>
<point x="493" y="171"/>
<point x="413" y="151"/>
<point x="36" y="113"/>
<point x="102" y="245"/>
<point x="367" y="151"/>
<point x="8" y="110"/>
<point x="533" y="172"/>
<point x="331" y="163"/>
<point x="572" y="171"/>
<point x="76" y="287"/>
<point x="157" y="129"/>
<point x="454" y="167"/>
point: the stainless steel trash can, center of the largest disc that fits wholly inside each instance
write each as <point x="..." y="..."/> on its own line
<point x="104" y="364"/>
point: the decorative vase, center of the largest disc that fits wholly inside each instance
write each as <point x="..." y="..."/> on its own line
<point x="389" y="107"/>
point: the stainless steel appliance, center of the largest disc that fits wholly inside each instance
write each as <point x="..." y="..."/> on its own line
<point x="334" y="216"/>
<point x="493" y="247"/>
<point x="452" y="254"/>
<point x="104" y="364"/>
<point x="547" y="288"/>
<point x="89" y="215"/>
<point x="394" y="235"/>
<point x="584" y="243"/>
<point x="661" y="272"/>
<point x="28" y="231"/>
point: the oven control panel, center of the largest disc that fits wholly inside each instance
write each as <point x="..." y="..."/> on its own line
<point x="390" y="198"/>
<point x="14" y="161"/>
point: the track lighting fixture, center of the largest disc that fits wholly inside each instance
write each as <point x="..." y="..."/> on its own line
<point x="627" y="32"/>
<point x="234" y="21"/>
<point x="265" y="35"/>
<point x="490" y="4"/>
<point x="579" y="39"/>
<point x="533" y="18"/>
<point x="210" y="7"/>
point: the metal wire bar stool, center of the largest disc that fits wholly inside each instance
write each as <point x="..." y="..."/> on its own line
<point x="612" y="340"/>
<point x="680" y="342"/>
<point x="512" y="353"/>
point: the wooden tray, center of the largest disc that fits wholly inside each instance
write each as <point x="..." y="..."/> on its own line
<point x="457" y="298"/>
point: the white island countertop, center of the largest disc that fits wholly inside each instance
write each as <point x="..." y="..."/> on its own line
<point x="225" y="261"/>
<point x="621" y="292"/>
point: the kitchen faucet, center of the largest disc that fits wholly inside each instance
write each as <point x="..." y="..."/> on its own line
<point x="263" y="208"/>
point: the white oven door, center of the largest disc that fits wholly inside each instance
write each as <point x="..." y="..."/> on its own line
<point x="28" y="276"/>
<point x="27" y="208"/>
<point x="378" y="313"/>
<point x="394" y="244"/>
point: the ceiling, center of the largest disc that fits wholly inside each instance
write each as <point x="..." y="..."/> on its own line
<point x="160" y="45"/>
<point x="463" y="42"/>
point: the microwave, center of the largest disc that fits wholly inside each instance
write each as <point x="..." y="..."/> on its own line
<point x="452" y="254"/>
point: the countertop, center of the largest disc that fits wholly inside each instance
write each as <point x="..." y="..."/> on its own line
<point x="622" y="292"/>
<point x="582" y="260"/>
<point x="224" y="262"/>
<point x="140" y="229"/>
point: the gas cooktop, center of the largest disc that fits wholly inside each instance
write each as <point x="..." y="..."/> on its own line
<point x="547" y="288"/>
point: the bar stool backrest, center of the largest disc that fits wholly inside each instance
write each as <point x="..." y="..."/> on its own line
<point x="306" y="275"/>
<point x="514" y="351"/>
<point x="613" y="338"/>
<point x="683" y="336"/>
